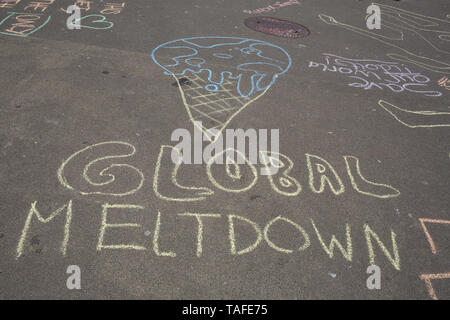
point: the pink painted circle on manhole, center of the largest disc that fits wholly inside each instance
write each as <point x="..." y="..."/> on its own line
<point x="277" y="27"/>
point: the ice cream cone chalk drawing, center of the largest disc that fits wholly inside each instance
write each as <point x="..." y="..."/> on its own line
<point x="220" y="76"/>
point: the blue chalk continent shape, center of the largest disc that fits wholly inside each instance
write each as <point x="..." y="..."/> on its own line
<point x="213" y="86"/>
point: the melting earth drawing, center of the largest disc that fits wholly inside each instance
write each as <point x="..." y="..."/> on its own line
<point x="219" y="76"/>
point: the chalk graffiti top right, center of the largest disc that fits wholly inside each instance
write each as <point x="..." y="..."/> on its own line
<point x="409" y="29"/>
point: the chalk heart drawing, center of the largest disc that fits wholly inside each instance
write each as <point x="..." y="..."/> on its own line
<point x="95" y="21"/>
<point x="219" y="76"/>
<point x="410" y="31"/>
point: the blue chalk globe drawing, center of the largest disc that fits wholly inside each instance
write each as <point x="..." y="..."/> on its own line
<point x="219" y="76"/>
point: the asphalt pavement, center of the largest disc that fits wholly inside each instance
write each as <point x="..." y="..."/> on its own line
<point x="86" y="138"/>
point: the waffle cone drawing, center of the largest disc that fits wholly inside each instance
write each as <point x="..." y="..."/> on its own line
<point x="211" y="110"/>
<point x="219" y="76"/>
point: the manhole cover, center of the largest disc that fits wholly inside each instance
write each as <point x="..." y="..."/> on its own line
<point x="277" y="27"/>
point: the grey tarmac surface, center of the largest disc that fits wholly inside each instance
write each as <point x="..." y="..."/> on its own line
<point x="65" y="90"/>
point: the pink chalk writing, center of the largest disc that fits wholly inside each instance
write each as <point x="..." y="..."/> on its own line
<point x="22" y="24"/>
<point x="272" y="7"/>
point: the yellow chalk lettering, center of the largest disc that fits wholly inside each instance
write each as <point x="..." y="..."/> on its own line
<point x="234" y="173"/>
<point x="369" y="233"/>
<point x="180" y="193"/>
<point x="334" y="242"/>
<point x="199" y="217"/>
<point x="297" y="226"/>
<point x="106" y="172"/>
<point x="105" y="225"/>
<point x="377" y="190"/>
<point x="156" y="240"/>
<point x="283" y="183"/>
<point x="34" y="212"/>
<point x="322" y="166"/>
<point x="232" y="235"/>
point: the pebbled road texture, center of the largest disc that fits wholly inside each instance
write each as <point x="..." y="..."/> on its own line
<point x="65" y="90"/>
